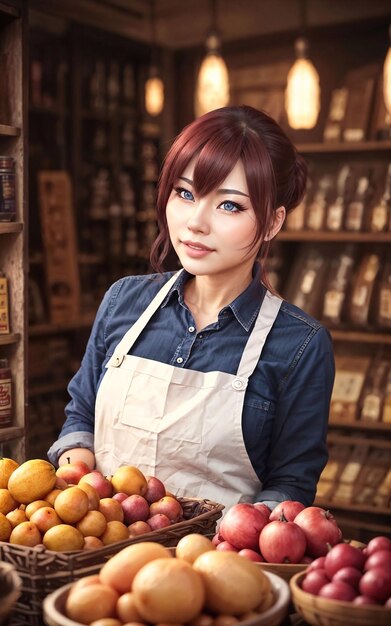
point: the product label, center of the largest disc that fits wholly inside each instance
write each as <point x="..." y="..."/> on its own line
<point x="5" y="401"/>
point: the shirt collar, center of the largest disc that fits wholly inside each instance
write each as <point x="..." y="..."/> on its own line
<point x="245" y="307"/>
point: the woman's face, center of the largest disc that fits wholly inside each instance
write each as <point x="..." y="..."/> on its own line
<point x="213" y="234"/>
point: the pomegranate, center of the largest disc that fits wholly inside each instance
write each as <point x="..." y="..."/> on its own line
<point x="320" y="528"/>
<point x="241" y="526"/>
<point x="282" y="542"/>
<point x="289" y="508"/>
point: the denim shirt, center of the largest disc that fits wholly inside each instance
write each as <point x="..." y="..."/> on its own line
<point x="286" y="405"/>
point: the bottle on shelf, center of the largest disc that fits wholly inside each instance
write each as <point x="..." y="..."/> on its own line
<point x="316" y="211"/>
<point x="386" y="415"/>
<point x="380" y="212"/>
<point x="373" y="393"/>
<point x="4" y="305"/>
<point x="356" y="209"/>
<point x="382" y="300"/>
<point x="97" y="87"/>
<point x="5" y="394"/>
<point x="339" y="275"/>
<point x="363" y="288"/>
<point x="7" y="189"/>
<point x="336" y="209"/>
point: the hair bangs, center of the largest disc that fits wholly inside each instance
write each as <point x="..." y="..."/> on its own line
<point x="215" y="161"/>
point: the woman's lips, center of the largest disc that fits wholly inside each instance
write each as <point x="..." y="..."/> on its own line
<point x="196" y="249"/>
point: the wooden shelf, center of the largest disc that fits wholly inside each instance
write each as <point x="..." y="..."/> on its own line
<point x="359" y="508"/>
<point x="83" y="259"/>
<point x="6" y="340"/>
<point x="358" y="441"/>
<point x="51" y="329"/>
<point x="334" y="148"/>
<point x="376" y="427"/>
<point x="54" y="110"/>
<point x="9" y="131"/>
<point x="10" y="227"/>
<point x="12" y="432"/>
<point x="360" y="336"/>
<point x="317" y="235"/>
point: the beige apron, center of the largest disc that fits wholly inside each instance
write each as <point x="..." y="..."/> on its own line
<point x="181" y="425"/>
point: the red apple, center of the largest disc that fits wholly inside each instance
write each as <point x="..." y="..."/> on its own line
<point x="158" y="520"/>
<point x="337" y="591"/>
<point x="343" y="555"/>
<point x="314" y="581"/>
<point x="135" y="509"/>
<point x="241" y="526"/>
<point x="168" y="505"/>
<point x="102" y="484"/>
<point x="155" y="489"/>
<point x="138" y="528"/>
<point x="72" y="472"/>
<point x="120" y="496"/>
<point x="217" y="538"/>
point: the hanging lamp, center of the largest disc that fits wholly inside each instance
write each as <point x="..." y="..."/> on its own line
<point x="154" y="86"/>
<point x="212" y="89"/>
<point x="302" y="94"/>
<point x="387" y="77"/>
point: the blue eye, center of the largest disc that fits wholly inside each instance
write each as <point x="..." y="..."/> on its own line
<point x="184" y="193"/>
<point x="231" y="207"/>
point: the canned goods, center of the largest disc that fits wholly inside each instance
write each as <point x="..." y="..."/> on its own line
<point x="7" y="189"/>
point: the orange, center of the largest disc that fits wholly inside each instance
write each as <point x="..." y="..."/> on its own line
<point x="7" y="466"/>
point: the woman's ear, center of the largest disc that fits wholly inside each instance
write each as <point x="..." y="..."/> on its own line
<point x="279" y="218"/>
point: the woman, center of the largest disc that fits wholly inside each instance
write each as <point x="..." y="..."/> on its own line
<point x="205" y="378"/>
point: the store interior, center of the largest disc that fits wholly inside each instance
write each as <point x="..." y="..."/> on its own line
<point x="88" y="155"/>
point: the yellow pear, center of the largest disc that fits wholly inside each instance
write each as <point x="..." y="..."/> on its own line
<point x="7" y="466"/>
<point x="130" y="480"/>
<point x="32" y="480"/>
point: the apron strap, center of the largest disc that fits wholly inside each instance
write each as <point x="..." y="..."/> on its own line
<point x="263" y="325"/>
<point x="132" y="334"/>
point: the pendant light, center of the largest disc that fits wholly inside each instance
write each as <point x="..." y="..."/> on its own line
<point x="154" y="86"/>
<point x="387" y="77"/>
<point x="212" y="89"/>
<point x="302" y="94"/>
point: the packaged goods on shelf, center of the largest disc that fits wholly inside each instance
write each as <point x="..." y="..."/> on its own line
<point x="4" y="305"/>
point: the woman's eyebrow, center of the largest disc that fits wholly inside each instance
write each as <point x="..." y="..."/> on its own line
<point x="233" y="191"/>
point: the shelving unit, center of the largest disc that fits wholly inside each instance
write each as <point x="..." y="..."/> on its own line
<point x="72" y="110"/>
<point x="13" y="235"/>
<point x="349" y="339"/>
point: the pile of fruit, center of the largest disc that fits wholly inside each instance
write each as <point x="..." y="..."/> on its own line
<point x="347" y="573"/>
<point x="74" y="508"/>
<point x="291" y="533"/>
<point x="146" y="584"/>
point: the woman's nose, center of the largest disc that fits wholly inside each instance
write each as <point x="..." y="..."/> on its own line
<point x="199" y="219"/>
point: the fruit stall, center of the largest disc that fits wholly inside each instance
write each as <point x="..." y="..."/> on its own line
<point x="78" y="547"/>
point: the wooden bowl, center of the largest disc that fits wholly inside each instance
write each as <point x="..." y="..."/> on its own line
<point x="54" y="606"/>
<point x="285" y="570"/>
<point x="323" y="612"/>
<point x="10" y="589"/>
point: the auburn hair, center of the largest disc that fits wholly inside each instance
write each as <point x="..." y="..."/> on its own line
<point x="275" y="173"/>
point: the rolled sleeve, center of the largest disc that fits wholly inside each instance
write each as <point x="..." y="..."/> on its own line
<point x="78" y="439"/>
<point x="298" y="450"/>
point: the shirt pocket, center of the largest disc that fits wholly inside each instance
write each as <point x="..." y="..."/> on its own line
<point x="257" y="421"/>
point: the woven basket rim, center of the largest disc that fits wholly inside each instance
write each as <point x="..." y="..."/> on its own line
<point x="215" y="509"/>
<point x="325" y="602"/>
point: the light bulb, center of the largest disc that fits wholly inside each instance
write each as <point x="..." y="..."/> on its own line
<point x="302" y="95"/>
<point x="387" y="81"/>
<point x="212" y="91"/>
<point x="154" y="95"/>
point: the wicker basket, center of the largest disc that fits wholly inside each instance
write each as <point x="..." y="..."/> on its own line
<point x="43" y="571"/>
<point x="324" y="612"/>
<point x="54" y="607"/>
<point x="285" y="570"/>
<point x="10" y="586"/>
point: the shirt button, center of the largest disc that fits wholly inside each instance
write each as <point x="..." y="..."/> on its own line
<point x="238" y="384"/>
<point x="191" y="329"/>
<point x="179" y="359"/>
<point x="200" y="336"/>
